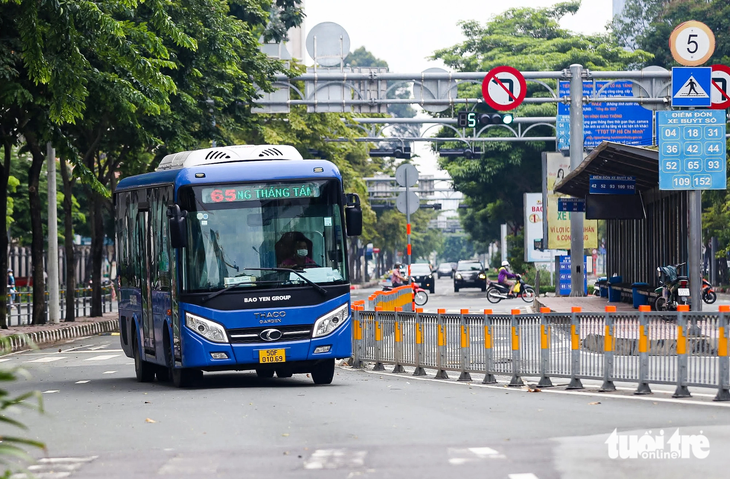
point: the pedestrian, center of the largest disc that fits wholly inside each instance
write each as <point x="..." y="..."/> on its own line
<point x="11" y="287"/>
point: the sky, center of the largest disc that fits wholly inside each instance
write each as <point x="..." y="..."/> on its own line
<point x="405" y="32"/>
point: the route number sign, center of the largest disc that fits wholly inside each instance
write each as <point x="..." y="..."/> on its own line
<point x="692" y="150"/>
<point x="692" y="43"/>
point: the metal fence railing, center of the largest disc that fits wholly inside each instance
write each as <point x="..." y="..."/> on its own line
<point x="683" y="348"/>
<point x="21" y="311"/>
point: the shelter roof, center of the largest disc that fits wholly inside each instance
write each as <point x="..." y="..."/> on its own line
<point x="613" y="159"/>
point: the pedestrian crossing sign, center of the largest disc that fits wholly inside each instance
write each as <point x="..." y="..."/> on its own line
<point x="691" y="86"/>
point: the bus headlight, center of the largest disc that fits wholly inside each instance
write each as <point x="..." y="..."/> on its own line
<point x="210" y="330"/>
<point x="330" y="321"/>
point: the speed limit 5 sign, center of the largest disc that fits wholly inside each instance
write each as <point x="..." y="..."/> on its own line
<point x="692" y="43"/>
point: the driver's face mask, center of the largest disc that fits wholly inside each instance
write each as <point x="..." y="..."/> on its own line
<point x="302" y="252"/>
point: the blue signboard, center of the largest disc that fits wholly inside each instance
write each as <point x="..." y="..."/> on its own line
<point x="692" y="150"/>
<point x="612" y="185"/>
<point x="564" y="276"/>
<point x="627" y="123"/>
<point x="571" y="205"/>
<point x="691" y="86"/>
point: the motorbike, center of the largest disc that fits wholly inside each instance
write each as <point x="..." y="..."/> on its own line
<point x="420" y="296"/>
<point x="673" y="289"/>
<point x="497" y="292"/>
<point x="708" y="292"/>
<point x="601" y="282"/>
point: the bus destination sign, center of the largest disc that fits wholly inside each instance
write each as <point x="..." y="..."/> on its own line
<point x="234" y="193"/>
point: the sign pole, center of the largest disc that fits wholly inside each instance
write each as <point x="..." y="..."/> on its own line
<point x="576" y="157"/>
<point x="408" y="225"/>
<point x="695" y="248"/>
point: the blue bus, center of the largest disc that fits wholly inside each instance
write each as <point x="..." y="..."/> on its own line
<point x="235" y="258"/>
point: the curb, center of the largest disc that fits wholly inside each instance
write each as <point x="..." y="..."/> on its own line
<point x="22" y="341"/>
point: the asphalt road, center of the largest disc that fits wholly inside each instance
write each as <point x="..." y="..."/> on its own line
<point x="100" y="423"/>
<point x="445" y="298"/>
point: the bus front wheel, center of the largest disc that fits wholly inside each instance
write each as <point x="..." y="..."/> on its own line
<point x="324" y="372"/>
<point x="144" y="370"/>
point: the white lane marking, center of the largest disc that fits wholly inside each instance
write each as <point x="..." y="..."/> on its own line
<point x="51" y="391"/>
<point x="178" y="466"/>
<point x="97" y="352"/>
<point x="553" y="391"/>
<point x="57" y="460"/>
<point x="528" y="475"/>
<point x="82" y="382"/>
<point x="2" y="360"/>
<point x="460" y="456"/>
<point x="335" y="459"/>
<point x="103" y="357"/>
<point x="54" y="467"/>
<point x="47" y="359"/>
<point x="73" y="349"/>
<point x="102" y="346"/>
<point x="109" y="372"/>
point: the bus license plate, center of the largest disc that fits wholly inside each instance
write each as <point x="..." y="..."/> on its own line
<point x="683" y="292"/>
<point x="272" y="356"/>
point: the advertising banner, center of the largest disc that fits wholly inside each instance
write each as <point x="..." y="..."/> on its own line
<point x="534" y="231"/>
<point x="557" y="229"/>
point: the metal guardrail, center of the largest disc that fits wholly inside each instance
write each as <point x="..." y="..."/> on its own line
<point x="21" y="312"/>
<point x="682" y="348"/>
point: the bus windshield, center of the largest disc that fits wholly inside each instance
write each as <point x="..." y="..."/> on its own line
<point x="238" y="231"/>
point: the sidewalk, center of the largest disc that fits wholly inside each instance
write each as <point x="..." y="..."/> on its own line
<point x="43" y="334"/>
<point x="588" y="304"/>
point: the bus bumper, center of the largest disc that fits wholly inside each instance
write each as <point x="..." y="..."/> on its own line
<point x="198" y="352"/>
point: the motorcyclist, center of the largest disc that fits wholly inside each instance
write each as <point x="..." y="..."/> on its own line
<point x="396" y="278"/>
<point x="505" y="274"/>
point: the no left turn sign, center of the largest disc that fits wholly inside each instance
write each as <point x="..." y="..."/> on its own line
<point x="504" y="88"/>
<point x="720" y="89"/>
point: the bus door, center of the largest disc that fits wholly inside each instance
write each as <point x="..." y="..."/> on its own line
<point x="144" y="236"/>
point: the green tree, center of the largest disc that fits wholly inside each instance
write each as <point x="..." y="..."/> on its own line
<point x="456" y="247"/>
<point x="529" y="39"/>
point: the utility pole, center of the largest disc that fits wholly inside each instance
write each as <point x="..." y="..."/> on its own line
<point x="576" y="158"/>
<point x="53" y="297"/>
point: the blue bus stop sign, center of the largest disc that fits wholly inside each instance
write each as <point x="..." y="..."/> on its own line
<point x="691" y="86"/>
<point x="692" y="150"/>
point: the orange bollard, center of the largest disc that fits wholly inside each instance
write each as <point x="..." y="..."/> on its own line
<point x="545" y="310"/>
<point x="645" y="308"/>
<point x="610" y="309"/>
<point x="576" y="309"/>
<point x="683" y="308"/>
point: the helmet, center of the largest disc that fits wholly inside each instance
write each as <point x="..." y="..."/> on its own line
<point x="10" y="270"/>
<point x="505" y="263"/>
<point x="397" y="265"/>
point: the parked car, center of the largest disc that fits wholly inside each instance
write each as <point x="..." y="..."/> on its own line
<point x="445" y="269"/>
<point x="470" y="274"/>
<point x="423" y="276"/>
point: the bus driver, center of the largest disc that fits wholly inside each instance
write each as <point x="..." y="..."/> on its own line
<point x="300" y="258"/>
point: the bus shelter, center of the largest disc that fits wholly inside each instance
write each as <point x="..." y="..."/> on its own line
<point x="643" y="231"/>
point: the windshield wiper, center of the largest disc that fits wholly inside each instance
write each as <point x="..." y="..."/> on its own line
<point x="319" y="288"/>
<point x="213" y="295"/>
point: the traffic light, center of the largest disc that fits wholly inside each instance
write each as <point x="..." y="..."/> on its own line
<point x="466" y="119"/>
<point x="403" y="152"/>
<point x="472" y="119"/>
<point x="467" y="153"/>
<point x="495" y="119"/>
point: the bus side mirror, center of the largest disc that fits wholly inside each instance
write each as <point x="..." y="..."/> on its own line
<point x="353" y="215"/>
<point x="178" y="226"/>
